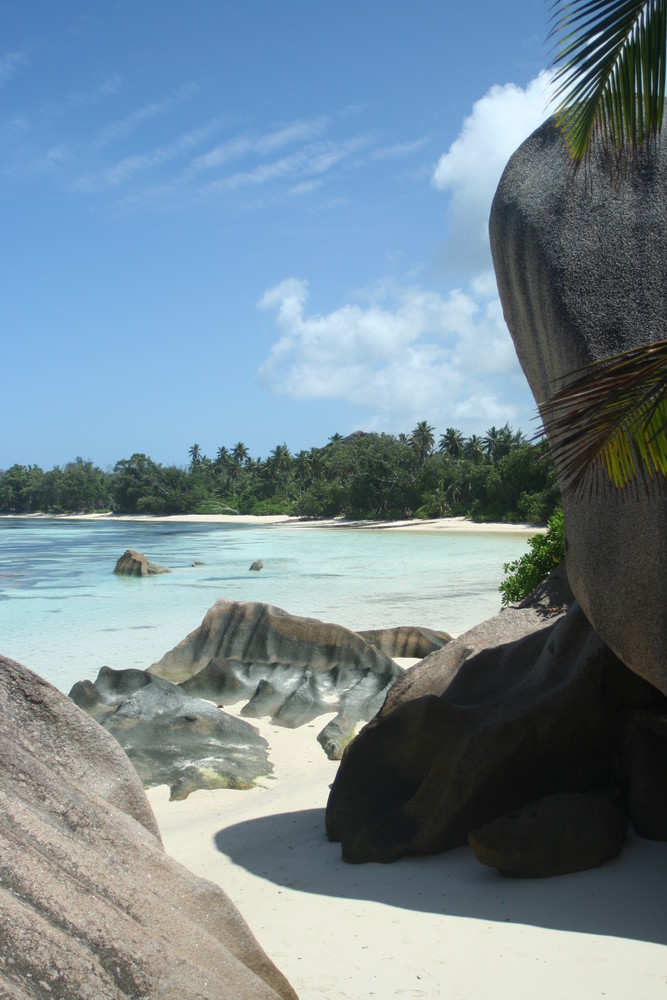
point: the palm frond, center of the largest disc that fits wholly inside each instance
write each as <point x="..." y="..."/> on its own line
<point x="610" y="78"/>
<point x="612" y="419"/>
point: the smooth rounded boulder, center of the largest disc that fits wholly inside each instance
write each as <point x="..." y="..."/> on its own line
<point x="581" y="269"/>
<point x="527" y="705"/>
<point x="91" y="905"/>
<point x="557" y="835"/>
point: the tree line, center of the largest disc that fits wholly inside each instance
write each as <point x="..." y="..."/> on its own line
<point x="498" y="477"/>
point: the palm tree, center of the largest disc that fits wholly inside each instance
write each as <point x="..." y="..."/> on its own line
<point x="613" y="416"/>
<point x="474" y="448"/>
<point x="240" y="453"/>
<point x="303" y="465"/>
<point x="611" y="77"/>
<point x="422" y="440"/>
<point x="222" y="458"/>
<point x="611" y="86"/>
<point x="279" y="464"/>
<point x="194" y="451"/>
<point x="491" y="443"/>
<point x="451" y="442"/>
<point x="506" y="439"/>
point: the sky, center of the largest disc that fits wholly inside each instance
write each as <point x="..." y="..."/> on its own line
<point x="255" y="220"/>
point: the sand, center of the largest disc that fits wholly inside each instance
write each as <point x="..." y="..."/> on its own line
<point x="441" y="926"/>
<point x="451" y="525"/>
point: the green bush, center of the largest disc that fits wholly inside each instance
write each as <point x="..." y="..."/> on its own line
<point x="272" y="506"/>
<point x="546" y="551"/>
<point x="214" y="507"/>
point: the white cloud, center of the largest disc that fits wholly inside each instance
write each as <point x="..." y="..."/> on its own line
<point x="471" y="168"/>
<point x="76" y="100"/>
<point x="400" y="353"/>
<point x="403" y="353"/>
<point x="242" y="145"/>
<point x="400" y="150"/>
<point x="118" y="129"/>
<point x="10" y="63"/>
<point x="312" y="160"/>
<point x="126" y="168"/>
<point x="304" y="187"/>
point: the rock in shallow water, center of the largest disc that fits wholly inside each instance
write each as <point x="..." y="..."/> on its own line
<point x="91" y="906"/>
<point x="133" y="563"/>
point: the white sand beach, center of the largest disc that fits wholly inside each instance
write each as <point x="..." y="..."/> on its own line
<point x="453" y="525"/>
<point x="441" y="926"/>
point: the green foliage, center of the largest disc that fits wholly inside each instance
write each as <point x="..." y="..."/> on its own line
<point x="363" y="476"/>
<point x="545" y="552"/>
<point x="214" y="507"/>
<point x="611" y="75"/>
<point x="78" y="488"/>
<point x="273" y="506"/>
<point x="613" y="417"/>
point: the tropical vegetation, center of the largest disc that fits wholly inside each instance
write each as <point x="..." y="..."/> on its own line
<point x="497" y="477"/>
<point x="545" y="551"/>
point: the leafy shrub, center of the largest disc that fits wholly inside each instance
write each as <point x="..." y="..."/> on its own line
<point x="545" y="552"/>
<point x="272" y="506"/>
<point x="214" y="507"/>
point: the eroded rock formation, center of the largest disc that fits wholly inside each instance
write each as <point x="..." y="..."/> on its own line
<point x="290" y="668"/>
<point x="582" y="274"/>
<point x="408" y="641"/>
<point x="171" y="737"/>
<point x="91" y="906"/>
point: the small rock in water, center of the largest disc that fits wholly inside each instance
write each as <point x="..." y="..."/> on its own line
<point x="257" y="565"/>
<point x="133" y="563"/>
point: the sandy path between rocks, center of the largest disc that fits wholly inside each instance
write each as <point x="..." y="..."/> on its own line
<point x="440" y="926"/>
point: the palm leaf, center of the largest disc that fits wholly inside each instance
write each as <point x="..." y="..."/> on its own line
<point x="612" y="418"/>
<point x="610" y="79"/>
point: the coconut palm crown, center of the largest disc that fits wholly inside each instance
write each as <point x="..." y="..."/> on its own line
<point x="610" y="84"/>
<point x="610" y="78"/>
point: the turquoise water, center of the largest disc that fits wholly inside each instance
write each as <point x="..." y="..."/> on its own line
<point x="65" y="614"/>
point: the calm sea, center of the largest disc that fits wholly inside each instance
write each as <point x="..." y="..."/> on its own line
<point x="65" y="614"/>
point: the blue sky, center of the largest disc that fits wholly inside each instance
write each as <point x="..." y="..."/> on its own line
<point x="259" y="220"/>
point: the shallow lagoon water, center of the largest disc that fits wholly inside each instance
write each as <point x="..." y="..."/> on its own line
<point x="64" y="613"/>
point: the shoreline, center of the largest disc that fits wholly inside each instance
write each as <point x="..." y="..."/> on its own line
<point x="448" y="525"/>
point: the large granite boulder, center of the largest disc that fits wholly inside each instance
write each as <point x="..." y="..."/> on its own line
<point x="528" y="705"/>
<point x="91" y="906"/>
<point x="133" y="563"/>
<point x="171" y="737"/>
<point x="582" y="273"/>
<point x="289" y="668"/>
